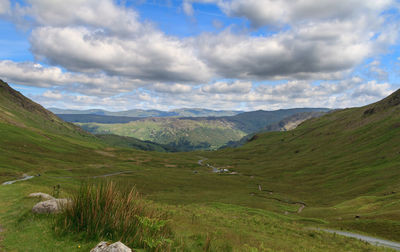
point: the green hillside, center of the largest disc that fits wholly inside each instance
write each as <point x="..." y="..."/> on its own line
<point x="182" y="134"/>
<point x="130" y="142"/>
<point x="343" y="164"/>
<point x="340" y="165"/>
<point x="187" y="133"/>
<point x="17" y="110"/>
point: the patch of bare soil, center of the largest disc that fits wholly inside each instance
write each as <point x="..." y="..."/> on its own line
<point x="104" y="153"/>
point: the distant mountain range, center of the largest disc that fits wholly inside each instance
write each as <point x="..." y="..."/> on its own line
<point x="186" y="133"/>
<point x="184" y="112"/>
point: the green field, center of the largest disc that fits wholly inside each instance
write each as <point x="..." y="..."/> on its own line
<point x="340" y="165"/>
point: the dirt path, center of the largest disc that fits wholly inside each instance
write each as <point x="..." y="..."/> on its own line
<point x="214" y="169"/>
<point x="26" y="177"/>
<point x="372" y="240"/>
<point x="302" y="206"/>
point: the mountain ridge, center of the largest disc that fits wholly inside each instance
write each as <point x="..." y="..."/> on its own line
<point x="183" y="112"/>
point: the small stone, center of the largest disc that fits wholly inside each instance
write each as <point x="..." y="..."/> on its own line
<point x="44" y="196"/>
<point x="107" y="247"/>
<point x="50" y="206"/>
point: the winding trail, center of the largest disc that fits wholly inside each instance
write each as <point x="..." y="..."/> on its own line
<point x="22" y="179"/>
<point x="369" y="239"/>
<point x="302" y="206"/>
<point x="214" y="169"/>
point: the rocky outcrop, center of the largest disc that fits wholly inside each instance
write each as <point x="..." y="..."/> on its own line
<point x="50" y="206"/>
<point x="107" y="247"/>
<point x="41" y="195"/>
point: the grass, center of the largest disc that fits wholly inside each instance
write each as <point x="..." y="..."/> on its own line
<point x="196" y="227"/>
<point x="200" y="134"/>
<point x="108" y="212"/>
<point x="341" y="165"/>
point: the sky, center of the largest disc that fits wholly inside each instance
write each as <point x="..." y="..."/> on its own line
<point x="214" y="54"/>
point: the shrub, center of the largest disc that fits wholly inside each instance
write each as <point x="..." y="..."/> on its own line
<point x="106" y="211"/>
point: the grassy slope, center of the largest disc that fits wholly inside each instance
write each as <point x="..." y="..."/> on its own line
<point x="201" y="132"/>
<point x="172" y="130"/>
<point x="342" y="164"/>
<point x="226" y="207"/>
<point x="130" y="142"/>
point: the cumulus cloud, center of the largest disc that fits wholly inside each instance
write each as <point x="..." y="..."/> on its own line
<point x="37" y="75"/>
<point x="372" y="89"/>
<point x="226" y="88"/>
<point x="282" y="12"/>
<point x="100" y="14"/>
<point x="4" y="7"/>
<point x="149" y="56"/>
<point x="172" y="88"/>
<point x="290" y="94"/>
<point x="118" y="44"/>
<point x="102" y="50"/>
<point x="316" y="51"/>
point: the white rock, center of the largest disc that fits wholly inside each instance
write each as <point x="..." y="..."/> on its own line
<point x="115" y="247"/>
<point x="44" y="196"/>
<point x="50" y="206"/>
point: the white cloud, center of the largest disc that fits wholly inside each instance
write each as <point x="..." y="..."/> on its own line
<point x="149" y="56"/>
<point x="52" y="95"/>
<point x="37" y="75"/>
<point x="4" y="7"/>
<point x="102" y="14"/>
<point x="345" y="93"/>
<point x="172" y="88"/>
<point x="102" y="50"/>
<point x="282" y="12"/>
<point x="316" y="51"/>
<point x="226" y="88"/>
<point x="372" y="89"/>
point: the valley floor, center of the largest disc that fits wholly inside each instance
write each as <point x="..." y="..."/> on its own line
<point x="227" y="212"/>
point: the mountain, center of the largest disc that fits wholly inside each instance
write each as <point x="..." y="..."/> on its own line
<point x="288" y="123"/>
<point x="178" y="133"/>
<point x="345" y="162"/>
<point x="130" y="142"/>
<point x="88" y="118"/>
<point x="17" y="110"/>
<point x="340" y="171"/>
<point x="254" y="121"/>
<point x="185" y="112"/>
<point x="185" y="133"/>
<point x="291" y="122"/>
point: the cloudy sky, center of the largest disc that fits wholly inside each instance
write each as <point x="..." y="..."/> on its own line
<point x="216" y="54"/>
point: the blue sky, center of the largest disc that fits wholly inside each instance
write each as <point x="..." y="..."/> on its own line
<point x="215" y="54"/>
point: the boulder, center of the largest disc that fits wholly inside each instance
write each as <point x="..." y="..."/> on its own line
<point x="41" y="195"/>
<point x="107" y="247"/>
<point x="50" y="206"/>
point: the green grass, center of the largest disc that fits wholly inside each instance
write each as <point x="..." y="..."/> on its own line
<point x="341" y="165"/>
<point x="195" y="134"/>
<point x="109" y="212"/>
<point x="220" y="227"/>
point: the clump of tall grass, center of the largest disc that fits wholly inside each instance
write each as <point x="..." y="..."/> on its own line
<point x="107" y="211"/>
